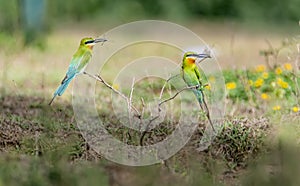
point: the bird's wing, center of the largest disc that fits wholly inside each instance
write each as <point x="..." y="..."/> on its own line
<point x="71" y="71"/>
<point x="76" y="65"/>
<point x="197" y="72"/>
<point x="84" y="61"/>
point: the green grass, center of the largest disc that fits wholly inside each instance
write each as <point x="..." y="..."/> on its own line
<point x="49" y="140"/>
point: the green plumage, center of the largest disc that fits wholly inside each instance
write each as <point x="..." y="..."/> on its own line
<point x="78" y="63"/>
<point x="192" y="77"/>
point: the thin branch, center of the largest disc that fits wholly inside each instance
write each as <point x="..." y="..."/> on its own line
<point x="142" y="116"/>
<point x="159" y="109"/>
<point x="163" y="88"/>
<point x="176" y="94"/>
<point x="129" y="101"/>
<point x="100" y="79"/>
<point x="143" y="136"/>
<point x="206" y="110"/>
<point x="268" y="53"/>
<point x="147" y="128"/>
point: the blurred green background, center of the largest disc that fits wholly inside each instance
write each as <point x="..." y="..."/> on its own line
<point x="43" y="14"/>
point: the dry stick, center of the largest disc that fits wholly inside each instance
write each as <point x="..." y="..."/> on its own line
<point x="273" y="52"/>
<point x="267" y="55"/>
<point x="129" y="101"/>
<point x="143" y="106"/>
<point x="159" y="109"/>
<point x="206" y="110"/>
<point x="143" y="111"/>
<point x="100" y="79"/>
<point x="176" y="94"/>
<point x="147" y="127"/>
<point x="129" y="104"/>
<point x="162" y="89"/>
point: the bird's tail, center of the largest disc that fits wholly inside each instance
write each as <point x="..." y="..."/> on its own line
<point x="200" y="97"/>
<point x="62" y="88"/>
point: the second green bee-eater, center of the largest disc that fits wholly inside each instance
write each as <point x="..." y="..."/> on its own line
<point x="78" y="63"/>
<point x="192" y="77"/>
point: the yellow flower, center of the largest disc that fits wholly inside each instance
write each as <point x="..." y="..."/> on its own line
<point x="279" y="80"/>
<point x="230" y="85"/>
<point x="260" y="68"/>
<point x="282" y="83"/>
<point x="288" y="66"/>
<point x="264" y="96"/>
<point x="276" y="108"/>
<point x="265" y="75"/>
<point x="259" y="82"/>
<point x="295" y="109"/>
<point x="278" y="71"/>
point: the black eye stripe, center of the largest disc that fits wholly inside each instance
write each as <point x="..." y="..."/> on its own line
<point x="189" y="55"/>
<point x="88" y="42"/>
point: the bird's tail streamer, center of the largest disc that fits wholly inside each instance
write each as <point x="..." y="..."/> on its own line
<point x="62" y="88"/>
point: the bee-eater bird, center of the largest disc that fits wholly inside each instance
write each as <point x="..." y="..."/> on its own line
<point x="192" y="77"/>
<point x="78" y="63"/>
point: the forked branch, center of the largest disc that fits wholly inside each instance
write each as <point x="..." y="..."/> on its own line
<point x="128" y="100"/>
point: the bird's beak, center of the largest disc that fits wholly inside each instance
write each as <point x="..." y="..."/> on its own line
<point x="100" y="40"/>
<point x="202" y="56"/>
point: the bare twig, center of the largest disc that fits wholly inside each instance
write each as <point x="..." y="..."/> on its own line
<point x="159" y="109"/>
<point x="142" y="114"/>
<point x="205" y="108"/>
<point x="274" y="51"/>
<point x="163" y="88"/>
<point x="129" y="101"/>
<point x="147" y="128"/>
<point x="143" y="107"/>
<point x="143" y="136"/>
<point x="100" y="79"/>
<point x="176" y="94"/>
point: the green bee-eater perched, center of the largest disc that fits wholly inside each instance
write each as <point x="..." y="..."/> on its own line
<point x="78" y="63"/>
<point x="192" y="77"/>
